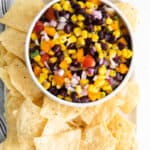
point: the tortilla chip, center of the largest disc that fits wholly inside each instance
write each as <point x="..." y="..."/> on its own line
<point x="29" y="124"/>
<point x="69" y="140"/>
<point x="97" y="138"/>
<point x="9" y="57"/>
<point x="2" y="54"/>
<point x="55" y="126"/>
<point x="21" y="14"/>
<point x="13" y="41"/>
<point x="12" y="104"/>
<point x="131" y="98"/>
<point x="6" y="79"/>
<point x="123" y="131"/>
<point x="130" y="12"/>
<point x="21" y="80"/>
<point x="53" y="109"/>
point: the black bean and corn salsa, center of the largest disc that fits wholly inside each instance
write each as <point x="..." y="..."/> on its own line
<point x="80" y="50"/>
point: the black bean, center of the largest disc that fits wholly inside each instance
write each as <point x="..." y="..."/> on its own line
<point x="60" y="58"/>
<point x="88" y="20"/>
<point x="63" y="91"/>
<point x="101" y="35"/>
<point x="53" y="90"/>
<point x="56" y="13"/>
<point x="62" y="13"/>
<point x="104" y="46"/>
<point x="75" y="63"/>
<point x="107" y="36"/>
<point x="58" y="54"/>
<point x="91" y="51"/>
<point x="128" y="39"/>
<point x="56" y="48"/>
<point x="68" y="28"/>
<point x="90" y="28"/>
<point x="98" y="21"/>
<point x="82" y="11"/>
<point x="75" y="97"/>
<point x="71" y="46"/>
<point x="112" y="39"/>
<point x="88" y="41"/>
<point x="119" y="77"/>
<point x="84" y="99"/>
<point x="117" y="59"/>
<point x="121" y="45"/>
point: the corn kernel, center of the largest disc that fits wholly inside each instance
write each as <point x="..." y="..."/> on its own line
<point x="67" y="98"/>
<point x="45" y="70"/>
<point x="72" y="39"/>
<point x="57" y="7"/>
<point x="103" y="94"/>
<point x="98" y="47"/>
<point x="84" y="34"/>
<point x="81" y="4"/>
<point x="68" y="60"/>
<point x="97" y="28"/>
<point x="67" y="6"/>
<point x="50" y="77"/>
<point x="80" y="17"/>
<point x="63" y="47"/>
<point x="94" y="37"/>
<point x="109" y="21"/>
<point x="99" y="83"/>
<point x="93" y="89"/>
<point x="89" y="11"/>
<point x="37" y="58"/>
<point x="62" y="39"/>
<point x="74" y="18"/>
<point x="80" y="24"/>
<point x="89" y="4"/>
<point x="107" y="88"/>
<point x="33" y="36"/>
<point x="102" y="70"/>
<point x="51" y="53"/>
<point x="46" y="85"/>
<point x="74" y="56"/>
<point x="117" y="33"/>
<point x="122" y="68"/>
<point x="63" y="65"/>
<point x="77" y="31"/>
<point x="112" y="73"/>
<point x="112" y="53"/>
<point x="126" y="53"/>
<point x="80" y="42"/>
<point x="71" y="51"/>
<point x="84" y="81"/>
<point x="53" y="60"/>
<point x="42" y="77"/>
<point x="60" y="96"/>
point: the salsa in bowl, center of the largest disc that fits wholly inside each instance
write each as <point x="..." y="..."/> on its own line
<point x="79" y="53"/>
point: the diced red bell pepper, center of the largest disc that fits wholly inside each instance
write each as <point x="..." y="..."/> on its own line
<point x="39" y="26"/>
<point x="88" y="62"/>
<point x="45" y="57"/>
<point x="50" y="14"/>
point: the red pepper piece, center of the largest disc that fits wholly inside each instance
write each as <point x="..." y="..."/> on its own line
<point x="88" y="62"/>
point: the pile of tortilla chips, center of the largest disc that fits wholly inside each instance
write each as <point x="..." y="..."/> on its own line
<point x="37" y="123"/>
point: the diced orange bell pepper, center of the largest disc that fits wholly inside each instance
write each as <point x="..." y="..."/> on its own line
<point x="63" y="65"/>
<point x="122" y="68"/>
<point x="97" y="2"/>
<point x="51" y="44"/>
<point x="122" y="40"/>
<point x="44" y="46"/>
<point x="37" y="70"/>
<point x="50" y="31"/>
<point x="94" y="96"/>
<point x="115" y="25"/>
<point x="59" y="80"/>
<point x="68" y="74"/>
<point x="80" y="55"/>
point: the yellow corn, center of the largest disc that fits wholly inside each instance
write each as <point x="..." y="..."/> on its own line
<point x="78" y="89"/>
<point x="72" y="39"/>
<point x="45" y="70"/>
<point x="80" y="24"/>
<point x="67" y="98"/>
<point x="67" y="6"/>
<point x="97" y="28"/>
<point x="80" y="42"/>
<point x="57" y="6"/>
<point x="33" y="36"/>
<point x="51" y="53"/>
<point x="68" y="60"/>
<point x="72" y="51"/>
<point x="62" y="39"/>
<point x="112" y="53"/>
<point x="102" y="70"/>
<point x="84" y="81"/>
<point x="77" y="31"/>
<point x="103" y="94"/>
<point x="89" y="4"/>
<point x="37" y="58"/>
<point x="117" y="33"/>
<point x="112" y="73"/>
<point x="53" y="59"/>
<point x="81" y="4"/>
<point x="109" y="21"/>
<point x="94" y="37"/>
<point x="74" y="18"/>
<point x="98" y="47"/>
<point x="84" y="34"/>
<point x="50" y="77"/>
<point x="42" y="77"/>
<point x="80" y="17"/>
<point x="126" y="53"/>
<point x="99" y="83"/>
<point x="63" y="47"/>
<point x="107" y="88"/>
<point x="46" y="85"/>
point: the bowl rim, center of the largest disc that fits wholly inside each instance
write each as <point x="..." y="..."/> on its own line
<point x="69" y="103"/>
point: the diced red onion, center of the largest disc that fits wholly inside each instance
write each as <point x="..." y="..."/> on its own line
<point x="62" y="19"/>
<point x="83" y="75"/>
<point x="53" y="23"/>
<point x="46" y="64"/>
<point x="90" y="71"/>
<point x="97" y="14"/>
<point x="61" y="26"/>
<point x="37" y="42"/>
<point x="113" y="64"/>
<point x="42" y="52"/>
<point x="60" y="72"/>
<point x="67" y="16"/>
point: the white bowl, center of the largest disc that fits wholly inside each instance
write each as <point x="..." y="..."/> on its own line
<point x="53" y="97"/>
